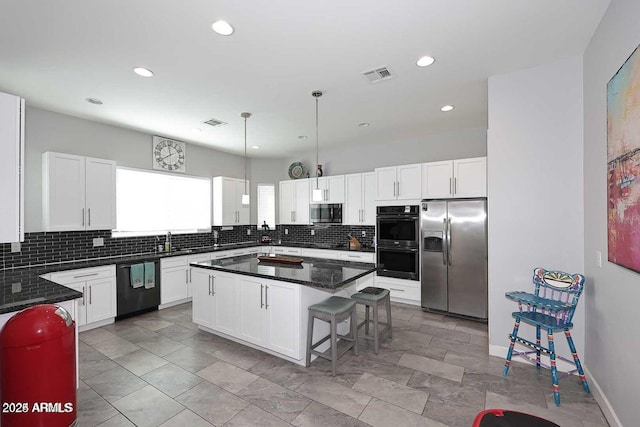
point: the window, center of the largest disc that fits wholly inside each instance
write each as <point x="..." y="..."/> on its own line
<point x="151" y="203"/>
<point x="266" y="205"/>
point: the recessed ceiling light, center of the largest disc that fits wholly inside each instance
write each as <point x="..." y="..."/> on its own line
<point x="447" y="108"/>
<point x="95" y="101"/>
<point x="222" y="27"/>
<point x="303" y="137"/>
<point x="144" y="72"/>
<point x="364" y="125"/>
<point x="255" y="147"/>
<point x="425" y="61"/>
<point x="197" y="130"/>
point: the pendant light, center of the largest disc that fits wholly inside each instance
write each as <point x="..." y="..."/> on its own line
<point x="245" y="195"/>
<point x="317" y="193"/>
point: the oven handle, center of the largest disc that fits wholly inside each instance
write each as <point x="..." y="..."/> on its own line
<point x="396" y="249"/>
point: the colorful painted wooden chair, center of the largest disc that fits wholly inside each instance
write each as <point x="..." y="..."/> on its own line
<point x="551" y="307"/>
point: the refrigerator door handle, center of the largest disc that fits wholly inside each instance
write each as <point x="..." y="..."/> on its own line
<point x="449" y="240"/>
<point x="445" y="245"/>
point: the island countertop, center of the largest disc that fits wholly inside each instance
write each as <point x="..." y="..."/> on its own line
<point x="314" y="272"/>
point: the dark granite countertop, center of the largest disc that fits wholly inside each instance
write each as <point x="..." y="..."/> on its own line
<point x="314" y="272"/>
<point x="22" y="287"/>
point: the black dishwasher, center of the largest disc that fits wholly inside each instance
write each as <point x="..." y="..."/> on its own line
<point x="132" y="301"/>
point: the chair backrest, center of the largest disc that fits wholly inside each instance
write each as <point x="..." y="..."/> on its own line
<point x="559" y="286"/>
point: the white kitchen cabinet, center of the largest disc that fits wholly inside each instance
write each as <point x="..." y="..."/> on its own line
<point x="252" y="326"/>
<point x="368" y="257"/>
<point x="78" y="193"/>
<point x="225" y="290"/>
<point x="12" y="168"/>
<point x="176" y="278"/>
<point x="202" y="307"/>
<point x="332" y="189"/>
<point x="455" y="178"/>
<point x="398" y="182"/>
<point x="294" y="201"/>
<point x="282" y="305"/>
<point x="97" y="307"/>
<point x="360" y="207"/>
<point x="227" y="201"/>
<point x="319" y="253"/>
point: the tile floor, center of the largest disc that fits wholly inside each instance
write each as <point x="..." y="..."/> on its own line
<point x="158" y="369"/>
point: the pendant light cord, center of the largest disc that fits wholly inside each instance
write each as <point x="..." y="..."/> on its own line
<point x="245" y="116"/>
<point x="317" y="178"/>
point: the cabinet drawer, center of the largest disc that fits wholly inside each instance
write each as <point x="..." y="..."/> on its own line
<point x="319" y="253"/>
<point x="83" y="274"/>
<point x="199" y="257"/>
<point x="286" y="250"/>
<point x="238" y="252"/>
<point x="358" y="257"/>
<point x="405" y="289"/>
<point x="221" y="254"/>
<point x="176" y="261"/>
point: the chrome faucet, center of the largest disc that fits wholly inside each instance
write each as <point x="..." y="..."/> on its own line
<point x="167" y="242"/>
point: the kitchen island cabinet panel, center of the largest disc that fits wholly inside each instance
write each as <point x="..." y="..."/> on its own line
<point x="282" y="305"/>
<point x="225" y="290"/>
<point x="251" y="312"/>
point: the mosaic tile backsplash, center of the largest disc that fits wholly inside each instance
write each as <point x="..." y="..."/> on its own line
<point x="54" y="247"/>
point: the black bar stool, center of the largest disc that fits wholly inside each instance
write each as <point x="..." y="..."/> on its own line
<point x="333" y="310"/>
<point x="373" y="297"/>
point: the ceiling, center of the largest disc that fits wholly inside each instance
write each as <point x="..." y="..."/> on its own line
<point x="58" y="54"/>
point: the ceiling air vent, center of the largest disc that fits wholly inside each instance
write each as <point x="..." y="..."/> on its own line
<point x="378" y="75"/>
<point x="215" y="122"/>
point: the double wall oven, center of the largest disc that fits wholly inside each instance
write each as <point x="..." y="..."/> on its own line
<point x="398" y="241"/>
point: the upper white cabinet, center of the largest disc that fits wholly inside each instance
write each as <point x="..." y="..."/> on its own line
<point x="332" y="188"/>
<point x="455" y="178"/>
<point x="78" y="193"/>
<point x="399" y="182"/>
<point x="360" y="207"/>
<point x="294" y="201"/>
<point x="227" y="201"/>
<point x="11" y="168"/>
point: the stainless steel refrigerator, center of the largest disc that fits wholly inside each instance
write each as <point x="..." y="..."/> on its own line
<point x="454" y="256"/>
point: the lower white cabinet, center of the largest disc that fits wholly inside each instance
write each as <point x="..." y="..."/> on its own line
<point x="262" y="312"/>
<point x="174" y="279"/>
<point x="98" y="286"/>
<point x="401" y="289"/>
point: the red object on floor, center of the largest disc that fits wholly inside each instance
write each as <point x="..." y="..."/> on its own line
<point x="38" y="366"/>
<point x="504" y="418"/>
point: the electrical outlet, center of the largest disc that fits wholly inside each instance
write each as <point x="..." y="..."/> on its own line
<point x="98" y="241"/>
<point x="313" y="232"/>
<point x="364" y="233"/>
<point x="16" y="247"/>
<point x="248" y="232"/>
<point x="286" y="231"/>
<point x="598" y="259"/>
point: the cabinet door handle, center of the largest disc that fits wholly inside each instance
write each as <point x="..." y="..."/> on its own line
<point x="261" y="302"/>
<point x="455" y="185"/>
<point x="266" y="297"/>
<point x="190" y="275"/>
<point x="450" y="188"/>
<point x="398" y="184"/>
<point x="83" y="217"/>
<point x="90" y="294"/>
<point x="213" y="285"/>
<point x="83" y="294"/>
<point x="396" y="289"/>
<point x="186" y="276"/>
<point x="209" y="284"/>
<point x="89" y="215"/>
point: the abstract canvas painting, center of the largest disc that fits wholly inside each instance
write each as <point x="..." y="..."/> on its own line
<point x="623" y="164"/>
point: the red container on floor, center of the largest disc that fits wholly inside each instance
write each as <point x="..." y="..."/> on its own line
<point x="38" y="368"/>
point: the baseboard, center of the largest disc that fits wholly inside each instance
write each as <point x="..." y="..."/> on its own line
<point x="596" y="391"/>
<point x="602" y="400"/>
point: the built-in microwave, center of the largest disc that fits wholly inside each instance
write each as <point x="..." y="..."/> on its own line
<point x="326" y="213"/>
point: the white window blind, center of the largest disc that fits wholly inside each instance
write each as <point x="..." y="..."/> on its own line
<point x="266" y="205"/>
<point x="153" y="203"/>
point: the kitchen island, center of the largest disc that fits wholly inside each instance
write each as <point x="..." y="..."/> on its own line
<point x="264" y="304"/>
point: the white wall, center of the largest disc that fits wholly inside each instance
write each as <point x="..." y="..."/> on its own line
<point x="535" y="189"/>
<point x="358" y="158"/>
<point x="48" y="131"/>
<point x="613" y="334"/>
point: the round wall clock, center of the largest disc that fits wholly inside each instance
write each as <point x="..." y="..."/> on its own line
<point x="168" y="154"/>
